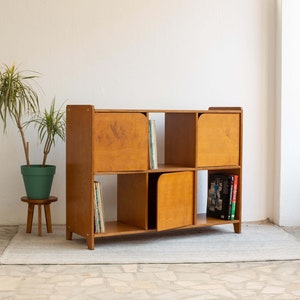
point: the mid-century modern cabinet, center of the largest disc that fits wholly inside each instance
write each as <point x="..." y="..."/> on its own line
<point x="105" y="142"/>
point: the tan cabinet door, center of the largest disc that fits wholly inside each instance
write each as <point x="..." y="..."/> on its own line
<point x="175" y="194"/>
<point x="120" y="142"/>
<point x="218" y="140"/>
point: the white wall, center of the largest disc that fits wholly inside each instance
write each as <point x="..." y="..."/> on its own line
<point x="287" y="158"/>
<point x="171" y="54"/>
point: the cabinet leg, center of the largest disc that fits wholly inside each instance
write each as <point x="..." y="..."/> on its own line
<point x="237" y="227"/>
<point x="69" y="235"/>
<point x="90" y="243"/>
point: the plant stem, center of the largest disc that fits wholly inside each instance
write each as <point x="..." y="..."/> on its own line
<point x="47" y="148"/>
<point x="25" y="144"/>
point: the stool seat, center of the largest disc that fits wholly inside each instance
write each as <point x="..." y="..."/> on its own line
<point x="39" y="203"/>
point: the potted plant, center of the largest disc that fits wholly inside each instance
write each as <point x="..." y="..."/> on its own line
<point x="38" y="177"/>
<point x="20" y="103"/>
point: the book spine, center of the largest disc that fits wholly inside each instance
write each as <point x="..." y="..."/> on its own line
<point x="230" y="197"/>
<point x="96" y="209"/>
<point x="101" y="209"/>
<point x="152" y="145"/>
<point x="234" y="197"/>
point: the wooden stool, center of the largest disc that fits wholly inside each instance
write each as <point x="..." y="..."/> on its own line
<point x="31" y="204"/>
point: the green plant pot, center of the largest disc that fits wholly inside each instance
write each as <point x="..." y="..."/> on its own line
<point x="38" y="180"/>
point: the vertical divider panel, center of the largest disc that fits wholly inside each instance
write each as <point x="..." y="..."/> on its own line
<point x="195" y="202"/>
<point x="180" y="139"/>
<point x="238" y="226"/>
<point x="133" y="199"/>
<point x="79" y="172"/>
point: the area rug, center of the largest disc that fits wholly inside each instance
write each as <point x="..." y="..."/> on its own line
<point x="257" y="242"/>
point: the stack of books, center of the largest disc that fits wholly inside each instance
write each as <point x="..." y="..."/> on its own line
<point x="222" y="196"/>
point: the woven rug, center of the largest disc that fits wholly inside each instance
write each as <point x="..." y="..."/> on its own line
<point x="257" y="242"/>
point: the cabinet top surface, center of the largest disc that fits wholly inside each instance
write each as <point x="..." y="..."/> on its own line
<point x="210" y="110"/>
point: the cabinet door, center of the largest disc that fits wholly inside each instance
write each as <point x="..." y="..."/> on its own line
<point x="218" y="140"/>
<point x="175" y="194"/>
<point x="120" y="142"/>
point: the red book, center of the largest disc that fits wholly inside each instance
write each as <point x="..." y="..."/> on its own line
<point x="234" y="196"/>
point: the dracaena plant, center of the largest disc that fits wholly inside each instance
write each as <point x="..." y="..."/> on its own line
<point x="20" y="103"/>
<point x="50" y="124"/>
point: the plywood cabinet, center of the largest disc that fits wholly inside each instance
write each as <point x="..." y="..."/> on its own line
<point x="106" y="142"/>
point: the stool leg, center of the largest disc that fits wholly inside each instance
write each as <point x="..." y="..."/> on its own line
<point x="48" y="217"/>
<point x="29" y="217"/>
<point x="40" y="220"/>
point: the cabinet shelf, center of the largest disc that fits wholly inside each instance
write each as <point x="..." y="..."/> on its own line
<point x="220" y="168"/>
<point x="170" y="168"/>
<point x="116" y="142"/>
<point x="203" y="220"/>
<point x="161" y="168"/>
<point x="114" y="228"/>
